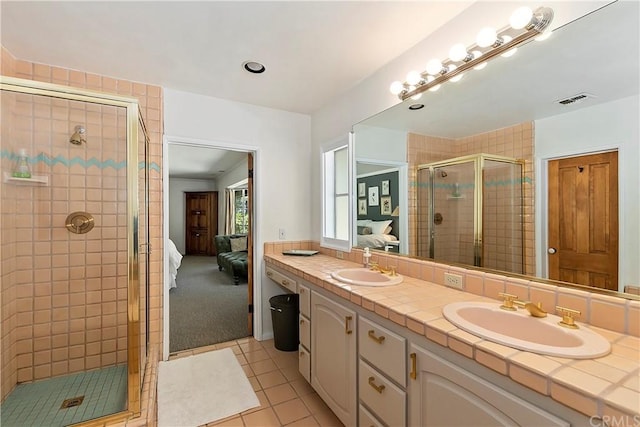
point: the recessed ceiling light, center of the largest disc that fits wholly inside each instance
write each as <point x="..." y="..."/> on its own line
<point x="253" y="67"/>
<point x="416" y="106"/>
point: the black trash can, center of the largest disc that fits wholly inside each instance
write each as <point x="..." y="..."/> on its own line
<point x="284" y="316"/>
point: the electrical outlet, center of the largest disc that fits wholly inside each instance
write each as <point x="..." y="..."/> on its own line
<point x="339" y="254"/>
<point x="281" y="234"/>
<point x="453" y="280"/>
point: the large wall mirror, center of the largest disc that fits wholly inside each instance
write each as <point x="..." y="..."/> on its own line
<point x="526" y="166"/>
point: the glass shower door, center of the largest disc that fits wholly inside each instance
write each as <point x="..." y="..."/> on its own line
<point x="452" y="212"/>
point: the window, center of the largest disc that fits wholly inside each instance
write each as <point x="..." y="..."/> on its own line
<point x="240" y="211"/>
<point x="336" y="194"/>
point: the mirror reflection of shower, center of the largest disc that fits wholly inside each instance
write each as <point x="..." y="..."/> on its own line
<point x="458" y="219"/>
<point x="79" y="135"/>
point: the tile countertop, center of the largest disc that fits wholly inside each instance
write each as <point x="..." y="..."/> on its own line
<point x="608" y="386"/>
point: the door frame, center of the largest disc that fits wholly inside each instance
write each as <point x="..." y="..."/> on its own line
<point x="257" y="239"/>
<point x="542" y="205"/>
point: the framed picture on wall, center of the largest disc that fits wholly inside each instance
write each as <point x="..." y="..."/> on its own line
<point x="362" y="189"/>
<point x="362" y="206"/>
<point x="384" y="191"/>
<point x="373" y="196"/>
<point x="385" y="205"/>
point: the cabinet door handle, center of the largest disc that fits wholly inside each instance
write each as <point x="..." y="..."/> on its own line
<point x="379" y="388"/>
<point x="269" y="273"/>
<point x="285" y="282"/>
<point x="347" y="320"/>
<point x="372" y="335"/>
<point x="302" y="321"/>
<point x="414" y="368"/>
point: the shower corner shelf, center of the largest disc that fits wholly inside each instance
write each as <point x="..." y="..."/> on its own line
<point x="452" y="197"/>
<point x="34" y="180"/>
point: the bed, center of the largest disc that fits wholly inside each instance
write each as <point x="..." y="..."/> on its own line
<point x="175" y="259"/>
<point x="375" y="234"/>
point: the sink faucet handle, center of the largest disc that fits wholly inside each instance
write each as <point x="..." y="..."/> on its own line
<point x="507" y="304"/>
<point x="568" y="316"/>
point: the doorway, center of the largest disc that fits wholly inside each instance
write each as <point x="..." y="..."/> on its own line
<point x="583" y="220"/>
<point x="204" y="304"/>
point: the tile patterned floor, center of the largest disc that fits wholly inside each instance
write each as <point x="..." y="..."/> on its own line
<point x="286" y="399"/>
<point x="38" y="403"/>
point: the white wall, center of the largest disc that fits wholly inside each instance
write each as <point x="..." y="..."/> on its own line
<point x="372" y="95"/>
<point x="281" y="169"/>
<point x="177" y="188"/>
<point x="374" y="143"/>
<point x="234" y="175"/>
<point x="613" y="125"/>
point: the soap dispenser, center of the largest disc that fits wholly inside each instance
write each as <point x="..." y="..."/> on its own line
<point x="365" y="256"/>
<point x="21" y="169"/>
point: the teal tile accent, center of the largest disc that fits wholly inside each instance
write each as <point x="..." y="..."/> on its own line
<point x="52" y="161"/>
<point x="38" y="403"/>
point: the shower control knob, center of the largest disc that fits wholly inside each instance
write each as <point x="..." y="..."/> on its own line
<point x="552" y="250"/>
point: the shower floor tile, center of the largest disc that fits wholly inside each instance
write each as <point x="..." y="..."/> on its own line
<point x="38" y="403"/>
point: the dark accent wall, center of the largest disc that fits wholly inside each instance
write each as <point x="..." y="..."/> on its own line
<point x="373" y="212"/>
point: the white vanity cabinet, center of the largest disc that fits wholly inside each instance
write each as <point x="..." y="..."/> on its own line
<point x="382" y="373"/>
<point x="441" y="393"/>
<point x="283" y="280"/>
<point x="333" y="356"/>
<point x="304" y="353"/>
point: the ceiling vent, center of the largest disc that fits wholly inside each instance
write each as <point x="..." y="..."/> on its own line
<point x="575" y="99"/>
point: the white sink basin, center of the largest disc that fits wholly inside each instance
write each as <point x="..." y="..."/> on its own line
<point x="365" y="277"/>
<point x="520" y="330"/>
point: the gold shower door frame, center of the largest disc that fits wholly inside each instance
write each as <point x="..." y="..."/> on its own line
<point x="133" y="287"/>
<point x="478" y="163"/>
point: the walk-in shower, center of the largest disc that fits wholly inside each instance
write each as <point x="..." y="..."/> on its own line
<point x="470" y="211"/>
<point x="74" y="255"/>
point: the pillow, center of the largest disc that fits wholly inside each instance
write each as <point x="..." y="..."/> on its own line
<point x="238" y="244"/>
<point x="378" y="227"/>
<point x="362" y="230"/>
<point x="387" y="230"/>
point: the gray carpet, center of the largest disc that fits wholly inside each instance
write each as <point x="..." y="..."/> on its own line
<point x="206" y="308"/>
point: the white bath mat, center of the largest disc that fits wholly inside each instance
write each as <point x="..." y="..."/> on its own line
<point x="199" y="389"/>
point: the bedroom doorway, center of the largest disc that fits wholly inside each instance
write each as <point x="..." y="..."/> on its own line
<point x="207" y="301"/>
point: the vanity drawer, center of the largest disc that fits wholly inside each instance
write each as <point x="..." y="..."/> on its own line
<point x="305" y="332"/>
<point x="383" y="349"/>
<point x="367" y="419"/>
<point x="282" y="280"/>
<point x="304" y="363"/>
<point x="386" y="400"/>
<point x="305" y="301"/>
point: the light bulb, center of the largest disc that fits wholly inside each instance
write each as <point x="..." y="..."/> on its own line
<point x="417" y="95"/>
<point x="510" y="52"/>
<point x="458" y="52"/>
<point x="434" y="67"/>
<point x="455" y="78"/>
<point x="429" y="80"/>
<point x="486" y="37"/>
<point x="413" y="77"/>
<point x="520" y="18"/>
<point x="396" y="87"/>
<point x="480" y="66"/>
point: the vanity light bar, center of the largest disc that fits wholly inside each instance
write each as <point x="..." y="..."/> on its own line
<point x="505" y="40"/>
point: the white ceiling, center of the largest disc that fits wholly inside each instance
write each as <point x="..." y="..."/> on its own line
<point x="313" y="51"/>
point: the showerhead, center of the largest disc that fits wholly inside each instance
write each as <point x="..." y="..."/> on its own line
<point x="443" y="174"/>
<point x="78" y="136"/>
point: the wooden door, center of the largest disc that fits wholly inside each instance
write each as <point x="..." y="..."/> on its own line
<point x="583" y="220"/>
<point x="201" y="218"/>
<point x="250" y="241"/>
